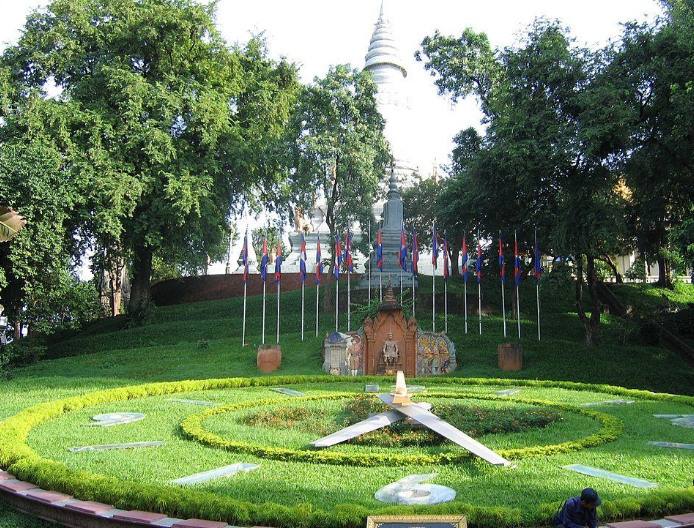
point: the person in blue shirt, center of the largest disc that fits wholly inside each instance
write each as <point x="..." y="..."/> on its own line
<point x="579" y="512"/>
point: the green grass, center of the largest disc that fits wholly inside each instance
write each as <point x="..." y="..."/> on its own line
<point x="202" y="340"/>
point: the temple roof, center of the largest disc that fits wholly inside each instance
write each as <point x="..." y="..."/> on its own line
<point x="382" y="48"/>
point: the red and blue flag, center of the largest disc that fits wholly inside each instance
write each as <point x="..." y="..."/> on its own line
<point x="403" y="250"/>
<point x="478" y="269"/>
<point x="278" y="264"/>
<point x="379" y="252"/>
<point x="338" y="257"/>
<point x="264" y="260"/>
<point x="302" y="259"/>
<point x="464" y="259"/>
<point x="348" y="252"/>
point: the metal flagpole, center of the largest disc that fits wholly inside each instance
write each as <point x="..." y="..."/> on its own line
<point x="278" y="313"/>
<point x="264" y="285"/>
<point x="517" y="279"/>
<point x="445" y="305"/>
<point x="434" y="255"/>
<point x="380" y="287"/>
<point x="337" y="302"/>
<point x="414" y="296"/>
<point x="245" y="286"/>
<point x="318" y="271"/>
<point x="464" y="257"/>
<point x="538" y="268"/>
<point x="369" y="261"/>
<point x="278" y="280"/>
<point x="303" y="285"/>
<point x="349" y="309"/>
<point x="243" y="337"/>
<point x="501" y="274"/>
<point x="479" y="280"/>
<point x="317" y="288"/>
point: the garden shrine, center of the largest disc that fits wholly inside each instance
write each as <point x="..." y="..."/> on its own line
<point x="387" y="344"/>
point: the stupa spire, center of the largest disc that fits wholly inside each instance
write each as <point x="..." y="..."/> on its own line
<point x="382" y="49"/>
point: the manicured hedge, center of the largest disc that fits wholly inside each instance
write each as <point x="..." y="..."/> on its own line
<point x="192" y="428"/>
<point x="17" y="457"/>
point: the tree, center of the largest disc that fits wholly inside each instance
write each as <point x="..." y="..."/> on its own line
<point x="654" y="67"/>
<point x="167" y="125"/>
<point x="545" y="161"/>
<point x="339" y="148"/>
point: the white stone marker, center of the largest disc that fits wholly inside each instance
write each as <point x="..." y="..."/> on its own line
<point x="410" y="490"/>
<point x="225" y="471"/>
<point x="193" y="402"/>
<point x="609" y="402"/>
<point x="622" y="479"/>
<point x="289" y="392"/>
<point x="106" y="420"/>
<point x="672" y="445"/>
<point x="108" y="447"/>
<point x="507" y="392"/>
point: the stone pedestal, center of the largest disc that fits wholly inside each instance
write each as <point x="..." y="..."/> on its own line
<point x="269" y="357"/>
<point x="510" y="356"/>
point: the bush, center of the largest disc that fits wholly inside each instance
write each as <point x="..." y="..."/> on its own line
<point x="649" y="333"/>
<point x="681" y="322"/>
<point x="637" y="271"/>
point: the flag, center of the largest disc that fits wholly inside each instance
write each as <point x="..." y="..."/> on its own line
<point x="415" y="254"/>
<point x="278" y="263"/>
<point x="245" y="258"/>
<point x="338" y="257"/>
<point x="479" y="262"/>
<point x="403" y="250"/>
<point x="264" y="260"/>
<point x="502" y="268"/>
<point x="319" y="266"/>
<point x="538" y="263"/>
<point x="348" y="253"/>
<point x="517" y="264"/>
<point x="445" y="258"/>
<point x="379" y="252"/>
<point x="302" y="259"/>
<point x="434" y="247"/>
<point x="464" y="258"/>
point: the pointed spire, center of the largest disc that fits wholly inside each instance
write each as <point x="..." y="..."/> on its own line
<point x="382" y="48"/>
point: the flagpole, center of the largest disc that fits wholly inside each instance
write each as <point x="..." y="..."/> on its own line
<point x="414" y="296"/>
<point x="445" y="305"/>
<point x="537" y="287"/>
<point x="380" y="287"/>
<point x="518" y="316"/>
<point x="278" y="313"/>
<point x="465" y="294"/>
<point x="400" y="283"/>
<point x="264" y="285"/>
<point x="243" y="337"/>
<point x="337" y="303"/>
<point x="502" y="276"/>
<point x="369" y="258"/>
<point x="433" y="299"/>
<point x="317" y="288"/>
<point x="479" y="287"/>
<point x="349" y="308"/>
<point x="303" y="285"/>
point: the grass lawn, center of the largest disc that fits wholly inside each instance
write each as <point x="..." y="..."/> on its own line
<point x="202" y="340"/>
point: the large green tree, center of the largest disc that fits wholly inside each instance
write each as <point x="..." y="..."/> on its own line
<point x="653" y="67"/>
<point x="545" y="160"/>
<point x="167" y="125"/>
<point x="339" y="148"/>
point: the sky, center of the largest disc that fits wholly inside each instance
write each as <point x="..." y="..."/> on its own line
<point x="315" y="34"/>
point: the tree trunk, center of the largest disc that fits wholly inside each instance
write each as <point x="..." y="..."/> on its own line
<point x="664" y="278"/>
<point x="590" y="324"/>
<point x="142" y="274"/>
<point x="116" y="266"/>
<point x="18" y="324"/>
<point x="617" y="276"/>
<point x="453" y="255"/>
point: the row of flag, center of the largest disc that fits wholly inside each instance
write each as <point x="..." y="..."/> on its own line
<point x="345" y="256"/>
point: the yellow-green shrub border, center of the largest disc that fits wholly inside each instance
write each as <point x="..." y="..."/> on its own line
<point x="192" y="428"/>
<point x="21" y="460"/>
